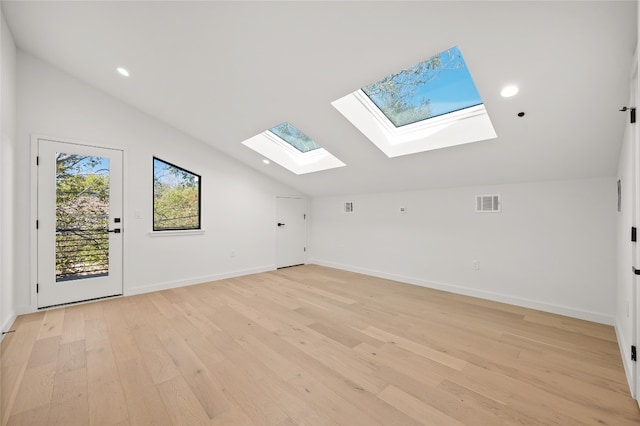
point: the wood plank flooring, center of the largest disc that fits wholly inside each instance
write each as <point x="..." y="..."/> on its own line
<point x="315" y="346"/>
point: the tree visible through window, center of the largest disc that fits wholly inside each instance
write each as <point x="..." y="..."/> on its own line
<point x="436" y="86"/>
<point x="176" y="197"/>
<point x="82" y="216"/>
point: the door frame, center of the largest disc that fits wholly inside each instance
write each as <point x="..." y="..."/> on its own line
<point x="635" y="220"/>
<point x="33" y="214"/>
<point x="275" y="231"/>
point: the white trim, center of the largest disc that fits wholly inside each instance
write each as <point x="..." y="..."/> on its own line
<point x="488" y="295"/>
<point x="6" y="326"/>
<point x="197" y="280"/>
<point x="272" y="147"/>
<point x="419" y="126"/>
<point x="101" y="144"/>
<point x="459" y="127"/>
<point x="33" y="234"/>
<point x="290" y="148"/>
<point x="624" y="346"/>
<point x="306" y="227"/>
<point x="634" y="92"/>
<point x="176" y="233"/>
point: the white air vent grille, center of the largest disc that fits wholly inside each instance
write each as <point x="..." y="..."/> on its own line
<point x="348" y="207"/>
<point x="488" y="203"/>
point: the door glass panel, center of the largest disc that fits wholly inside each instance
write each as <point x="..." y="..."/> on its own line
<point x="82" y="216"/>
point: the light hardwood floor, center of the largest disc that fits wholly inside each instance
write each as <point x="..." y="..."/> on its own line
<point x="310" y="345"/>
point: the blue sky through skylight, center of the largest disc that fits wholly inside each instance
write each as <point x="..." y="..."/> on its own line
<point x="436" y="86"/>
<point x="294" y="137"/>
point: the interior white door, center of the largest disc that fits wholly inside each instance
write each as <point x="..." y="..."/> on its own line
<point x="635" y="252"/>
<point x="80" y="235"/>
<point x="291" y="231"/>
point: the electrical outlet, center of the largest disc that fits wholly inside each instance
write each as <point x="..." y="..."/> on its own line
<point x="475" y="265"/>
<point x="403" y="210"/>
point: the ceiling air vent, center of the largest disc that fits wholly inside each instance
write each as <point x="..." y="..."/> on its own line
<point x="488" y="203"/>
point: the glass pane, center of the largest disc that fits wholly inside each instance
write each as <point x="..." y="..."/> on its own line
<point x="82" y="216"/>
<point x="436" y="86"/>
<point x="176" y="197"/>
<point x="294" y="137"/>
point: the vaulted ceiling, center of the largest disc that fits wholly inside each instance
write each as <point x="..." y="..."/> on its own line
<point x="223" y="72"/>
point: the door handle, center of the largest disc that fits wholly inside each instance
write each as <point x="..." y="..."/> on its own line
<point x="280" y="224"/>
<point x="635" y="271"/>
<point x="115" y="231"/>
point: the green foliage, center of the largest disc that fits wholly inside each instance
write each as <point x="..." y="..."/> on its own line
<point x="397" y="94"/>
<point x="294" y="137"/>
<point x="176" y="197"/>
<point x="175" y="207"/>
<point x="82" y="216"/>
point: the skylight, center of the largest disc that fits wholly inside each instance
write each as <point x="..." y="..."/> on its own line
<point x="429" y="105"/>
<point x="436" y="86"/>
<point x="287" y="146"/>
<point x="294" y="137"/>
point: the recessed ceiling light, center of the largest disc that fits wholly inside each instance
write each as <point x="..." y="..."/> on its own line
<point x="123" y="71"/>
<point x="265" y="161"/>
<point x="509" y="91"/>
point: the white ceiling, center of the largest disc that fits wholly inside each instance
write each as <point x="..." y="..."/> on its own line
<point x="226" y="71"/>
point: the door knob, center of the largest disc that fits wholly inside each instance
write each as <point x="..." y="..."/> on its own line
<point x="280" y="224"/>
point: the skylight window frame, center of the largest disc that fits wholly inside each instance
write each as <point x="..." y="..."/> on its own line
<point x="415" y="129"/>
<point x="458" y="127"/>
<point x="291" y="145"/>
<point x="292" y="150"/>
<point x="279" y="151"/>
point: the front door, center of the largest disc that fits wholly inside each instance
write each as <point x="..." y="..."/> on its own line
<point x="80" y="223"/>
<point x="291" y="231"/>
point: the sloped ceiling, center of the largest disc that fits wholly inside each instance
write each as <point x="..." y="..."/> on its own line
<point x="225" y="71"/>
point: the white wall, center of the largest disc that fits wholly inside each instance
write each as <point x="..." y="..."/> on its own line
<point x="7" y="149"/>
<point x="238" y="203"/>
<point x="551" y="248"/>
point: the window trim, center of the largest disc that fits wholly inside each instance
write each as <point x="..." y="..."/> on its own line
<point x="284" y="154"/>
<point x="175" y="233"/>
<point x="417" y="129"/>
<point x="153" y="196"/>
<point x="455" y="128"/>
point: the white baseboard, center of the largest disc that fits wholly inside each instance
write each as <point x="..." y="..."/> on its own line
<point x="8" y="322"/>
<point x="626" y="358"/>
<point x="26" y="309"/>
<point x="197" y="280"/>
<point x="482" y="294"/>
<point x="19" y="310"/>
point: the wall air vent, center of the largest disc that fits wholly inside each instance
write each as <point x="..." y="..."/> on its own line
<point x="488" y="203"/>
